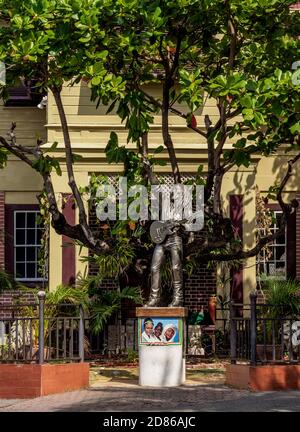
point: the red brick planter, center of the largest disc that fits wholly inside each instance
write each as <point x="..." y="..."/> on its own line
<point x="263" y="378"/>
<point x="33" y="380"/>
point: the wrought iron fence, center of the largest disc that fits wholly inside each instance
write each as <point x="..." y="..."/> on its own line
<point x="259" y="335"/>
<point x="253" y="333"/>
<point x="30" y="333"/>
<point x="114" y="339"/>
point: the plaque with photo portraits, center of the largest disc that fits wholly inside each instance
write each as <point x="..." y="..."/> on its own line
<point x="160" y="331"/>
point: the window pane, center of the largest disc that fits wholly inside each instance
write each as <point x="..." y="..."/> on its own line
<point x="20" y="220"/>
<point x="31" y="218"/>
<point x="31" y="270"/>
<point x="20" y="237"/>
<point x="30" y="236"/>
<point x="278" y="219"/>
<point x="39" y="234"/>
<point x="20" y="254"/>
<point x="28" y="233"/>
<point x="280" y="269"/>
<point x="280" y="253"/>
<point x="30" y="254"/>
<point x="20" y="271"/>
<point x="280" y="240"/>
<point x="270" y="253"/>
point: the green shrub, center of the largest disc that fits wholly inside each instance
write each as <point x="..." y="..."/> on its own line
<point x="6" y="281"/>
<point x="132" y="355"/>
<point x="283" y="298"/>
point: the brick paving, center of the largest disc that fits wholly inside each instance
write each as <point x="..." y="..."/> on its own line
<point x="118" y="391"/>
<point x="128" y="397"/>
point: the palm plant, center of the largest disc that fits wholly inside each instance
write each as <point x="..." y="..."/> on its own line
<point x="113" y="264"/>
<point x="108" y="303"/>
<point x="66" y="296"/>
<point x="283" y="298"/>
<point x="100" y="305"/>
<point x="281" y="307"/>
<point x="7" y="282"/>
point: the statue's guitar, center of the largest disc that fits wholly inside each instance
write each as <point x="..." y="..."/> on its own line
<point x="159" y="230"/>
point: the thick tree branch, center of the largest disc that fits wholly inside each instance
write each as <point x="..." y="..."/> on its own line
<point x="166" y="134"/>
<point x="157" y="104"/>
<point x="286" y="179"/>
<point x="143" y="149"/>
<point x="233" y="42"/>
<point x="167" y="85"/>
<point x="218" y="170"/>
<point x="222" y="123"/>
<point x="205" y="251"/>
<point x="69" y="163"/>
<point x="210" y="159"/>
<point x="59" y="221"/>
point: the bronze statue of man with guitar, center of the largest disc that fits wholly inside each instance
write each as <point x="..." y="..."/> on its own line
<point x="166" y="235"/>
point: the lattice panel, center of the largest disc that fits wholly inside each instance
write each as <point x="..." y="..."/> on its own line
<point x="166" y="180"/>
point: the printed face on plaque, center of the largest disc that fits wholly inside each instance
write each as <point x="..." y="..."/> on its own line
<point x="160" y="331"/>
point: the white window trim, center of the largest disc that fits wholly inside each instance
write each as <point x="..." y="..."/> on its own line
<point x="259" y="262"/>
<point x="38" y="279"/>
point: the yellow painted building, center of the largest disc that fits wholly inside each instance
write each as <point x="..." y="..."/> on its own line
<point x="89" y="130"/>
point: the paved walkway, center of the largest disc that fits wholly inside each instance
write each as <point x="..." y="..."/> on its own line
<point x="116" y="389"/>
<point x="130" y="397"/>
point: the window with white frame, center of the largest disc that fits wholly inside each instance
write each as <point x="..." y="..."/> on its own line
<point x="27" y="245"/>
<point x="272" y="260"/>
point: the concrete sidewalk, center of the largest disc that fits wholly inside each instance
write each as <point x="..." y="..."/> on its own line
<point x="113" y="397"/>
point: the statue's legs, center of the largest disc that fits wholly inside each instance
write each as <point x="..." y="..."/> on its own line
<point x="156" y="264"/>
<point x="175" y="247"/>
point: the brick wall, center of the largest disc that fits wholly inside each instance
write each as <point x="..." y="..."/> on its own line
<point x="2" y="217"/>
<point x="197" y="290"/>
<point x="199" y="287"/>
<point x="8" y="298"/>
<point x="298" y="239"/>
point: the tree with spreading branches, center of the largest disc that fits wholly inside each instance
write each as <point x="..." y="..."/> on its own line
<point x="238" y="52"/>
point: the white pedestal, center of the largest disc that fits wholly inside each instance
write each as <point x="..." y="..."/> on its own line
<point x="162" y="363"/>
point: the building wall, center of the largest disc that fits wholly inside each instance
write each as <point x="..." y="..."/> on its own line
<point x="90" y="129"/>
<point x="30" y="123"/>
<point x="17" y="178"/>
<point x="19" y="184"/>
<point x="2" y="227"/>
<point x="298" y="240"/>
<point x="199" y="287"/>
<point x="9" y="298"/>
